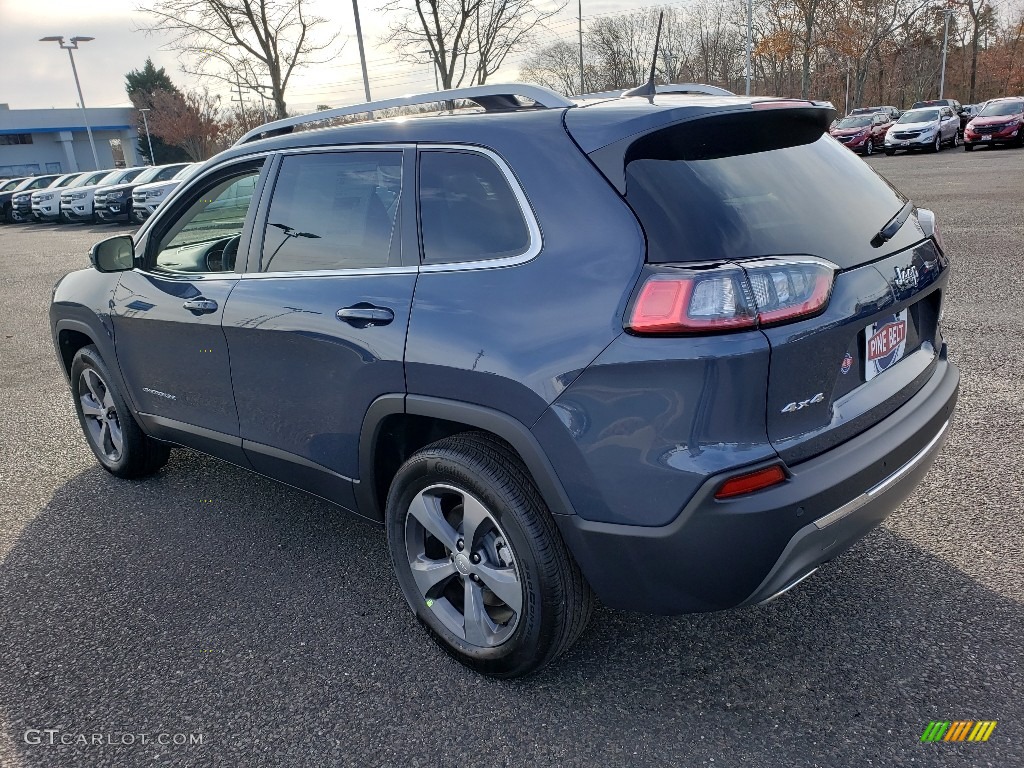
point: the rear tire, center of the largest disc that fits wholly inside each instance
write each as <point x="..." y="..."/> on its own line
<point x="463" y="515"/>
<point x="115" y="438"/>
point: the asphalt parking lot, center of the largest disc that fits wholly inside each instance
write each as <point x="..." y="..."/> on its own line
<point x="208" y="601"/>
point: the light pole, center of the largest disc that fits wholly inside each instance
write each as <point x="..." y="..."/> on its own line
<point x="69" y="47"/>
<point x="579" y="4"/>
<point x="945" y="41"/>
<point x="145" y="122"/>
<point x="750" y="38"/>
<point x="362" y="53"/>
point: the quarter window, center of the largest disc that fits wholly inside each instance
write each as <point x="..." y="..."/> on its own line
<point x="334" y="211"/>
<point x="468" y="211"/>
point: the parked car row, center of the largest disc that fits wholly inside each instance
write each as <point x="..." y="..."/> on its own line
<point x="110" y="195"/>
<point x="931" y="125"/>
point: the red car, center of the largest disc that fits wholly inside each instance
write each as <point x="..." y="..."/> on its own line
<point x="1000" y="122"/>
<point x="862" y="133"/>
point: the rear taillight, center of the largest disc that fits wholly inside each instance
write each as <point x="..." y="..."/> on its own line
<point x="731" y="296"/>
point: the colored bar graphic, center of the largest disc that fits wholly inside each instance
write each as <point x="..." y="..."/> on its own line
<point x="958" y="730"/>
<point x="935" y="731"/>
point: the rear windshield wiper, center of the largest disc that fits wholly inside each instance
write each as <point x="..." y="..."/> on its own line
<point x="888" y="232"/>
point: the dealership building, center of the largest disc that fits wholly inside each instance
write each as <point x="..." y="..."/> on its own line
<point x="36" y="141"/>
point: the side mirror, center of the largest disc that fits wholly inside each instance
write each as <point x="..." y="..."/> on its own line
<point x="115" y="254"/>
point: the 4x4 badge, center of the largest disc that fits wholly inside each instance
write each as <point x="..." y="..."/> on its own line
<point x="906" y="277"/>
<point x="804" y="403"/>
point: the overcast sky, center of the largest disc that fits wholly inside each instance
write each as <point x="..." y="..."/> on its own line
<point x="37" y="75"/>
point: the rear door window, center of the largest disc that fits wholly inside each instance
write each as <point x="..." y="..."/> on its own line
<point x="468" y="210"/>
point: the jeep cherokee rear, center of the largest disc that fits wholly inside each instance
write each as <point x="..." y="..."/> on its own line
<point x="639" y="349"/>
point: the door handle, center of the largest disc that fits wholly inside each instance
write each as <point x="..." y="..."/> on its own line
<point x="200" y="306"/>
<point x="365" y="315"/>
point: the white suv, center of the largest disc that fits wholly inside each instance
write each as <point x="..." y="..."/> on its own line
<point x="146" y="197"/>
<point x="76" y="204"/>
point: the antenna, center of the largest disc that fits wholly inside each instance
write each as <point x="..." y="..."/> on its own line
<point x="649" y="88"/>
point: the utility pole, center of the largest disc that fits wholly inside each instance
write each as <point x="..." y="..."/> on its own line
<point x="69" y="47"/>
<point x="750" y="39"/>
<point x="241" y="104"/>
<point x="579" y="4"/>
<point x="362" y="52"/>
<point x="945" y="42"/>
<point x="152" y="160"/>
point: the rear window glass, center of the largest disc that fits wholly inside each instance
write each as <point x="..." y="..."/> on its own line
<point x="743" y="186"/>
<point x="468" y="212"/>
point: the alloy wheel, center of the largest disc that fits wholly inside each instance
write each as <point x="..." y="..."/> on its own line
<point x="100" y="414"/>
<point x="870" y="148"/>
<point x="463" y="565"/>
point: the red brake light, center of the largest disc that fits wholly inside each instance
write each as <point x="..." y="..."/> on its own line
<point x="751" y="481"/>
<point x="731" y="297"/>
<point x="711" y="299"/>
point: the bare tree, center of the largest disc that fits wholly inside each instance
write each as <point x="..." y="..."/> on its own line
<point x="503" y="27"/>
<point x="242" y="40"/>
<point x="465" y="40"/>
<point x="191" y="120"/>
<point x="440" y="30"/>
<point x="557" y="66"/>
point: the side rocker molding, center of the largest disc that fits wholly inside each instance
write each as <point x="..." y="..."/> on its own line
<point x="514" y="432"/>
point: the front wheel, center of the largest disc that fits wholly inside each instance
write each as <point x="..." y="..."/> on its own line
<point x="968" y="147"/>
<point x="890" y="152"/>
<point x="869" y="148"/>
<point x="480" y="560"/>
<point x="110" y="429"/>
<point x="937" y="146"/>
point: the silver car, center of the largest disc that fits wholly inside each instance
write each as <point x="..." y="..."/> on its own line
<point x="928" y="128"/>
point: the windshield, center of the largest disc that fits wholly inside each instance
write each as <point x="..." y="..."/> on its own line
<point x="87" y="179"/>
<point x="854" y="122"/>
<point x="188" y="171"/>
<point x="1002" y="108"/>
<point x="919" y="116"/>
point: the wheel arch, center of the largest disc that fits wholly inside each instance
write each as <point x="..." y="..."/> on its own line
<point x="396" y="426"/>
<point x="69" y="337"/>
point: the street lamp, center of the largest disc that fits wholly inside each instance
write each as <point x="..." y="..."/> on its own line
<point x="362" y="53"/>
<point x="947" y="12"/>
<point x="69" y="47"/>
<point x="152" y="160"/>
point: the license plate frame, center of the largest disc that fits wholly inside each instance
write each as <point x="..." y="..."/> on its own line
<point x="885" y="343"/>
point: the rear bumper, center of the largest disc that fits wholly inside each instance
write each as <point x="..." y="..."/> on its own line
<point x="722" y="554"/>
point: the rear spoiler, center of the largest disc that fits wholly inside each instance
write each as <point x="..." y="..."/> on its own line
<point x="757" y="126"/>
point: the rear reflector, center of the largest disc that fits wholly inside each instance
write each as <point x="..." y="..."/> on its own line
<point x="750" y="482"/>
<point x="731" y="296"/>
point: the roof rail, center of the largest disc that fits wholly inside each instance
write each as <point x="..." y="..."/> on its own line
<point x="693" y="88"/>
<point x="493" y="98"/>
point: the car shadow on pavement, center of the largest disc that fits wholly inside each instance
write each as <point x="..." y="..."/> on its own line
<point x="210" y="601"/>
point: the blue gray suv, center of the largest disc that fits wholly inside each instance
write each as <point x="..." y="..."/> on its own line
<point x="669" y="352"/>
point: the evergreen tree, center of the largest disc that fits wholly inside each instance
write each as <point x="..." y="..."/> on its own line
<point x="141" y="84"/>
